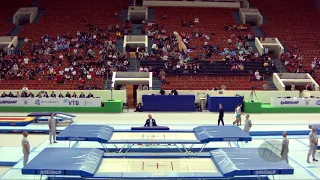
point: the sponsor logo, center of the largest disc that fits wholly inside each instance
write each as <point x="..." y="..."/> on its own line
<point x="318" y="102"/>
<point x="77" y="139"/>
<point x="8" y="102"/>
<point x="25" y="102"/>
<point x="50" y="172"/>
<point x="307" y="102"/>
<point x="158" y="174"/>
<point x="230" y="139"/>
<point x="289" y="102"/>
<point x="71" y="102"/>
<point x="265" y="172"/>
<point x="39" y="102"/>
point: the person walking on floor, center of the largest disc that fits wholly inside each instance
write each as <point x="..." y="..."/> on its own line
<point x="238" y="114"/>
<point x="221" y="114"/>
<point x="285" y="147"/>
<point x="52" y="129"/>
<point x="313" y="143"/>
<point x="25" y="148"/>
<point x="247" y="125"/>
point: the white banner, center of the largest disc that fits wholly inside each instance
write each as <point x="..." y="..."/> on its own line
<point x="295" y="102"/>
<point x="51" y="102"/>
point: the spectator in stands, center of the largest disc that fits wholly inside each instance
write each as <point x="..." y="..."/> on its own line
<point x="59" y="79"/>
<point x="31" y="95"/>
<point x="140" y="87"/>
<point x="257" y="75"/>
<point x="60" y="96"/>
<point x="164" y="17"/>
<point x="10" y="94"/>
<point x="81" y="83"/>
<point x="74" y="95"/>
<point x="53" y="95"/>
<point x="68" y="95"/>
<point x="174" y="92"/>
<point x="123" y="87"/>
<point x="223" y="87"/>
<point x="25" y="88"/>
<point x="145" y="87"/>
<point x="162" y="92"/>
<point x="39" y="95"/>
<point x="196" y="20"/>
<point x="89" y="76"/>
<point x="17" y="95"/>
<point x="3" y="95"/>
<point x="163" y="80"/>
<point x="293" y="87"/>
<point x="90" y="95"/>
<point x="46" y="95"/>
<point x="138" y="108"/>
<point x="308" y="87"/>
<point x="265" y="87"/>
<point x="82" y="95"/>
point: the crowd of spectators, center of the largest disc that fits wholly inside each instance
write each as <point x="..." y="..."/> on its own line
<point x="25" y="94"/>
<point x="236" y="54"/>
<point x="293" y="60"/>
<point x="66" y="57"/>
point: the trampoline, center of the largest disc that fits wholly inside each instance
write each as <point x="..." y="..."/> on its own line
<point x="59" y="116"/>
<point x="15" y="121"/>
<point x="95" y="164"/>
<point x="200" y="135"/>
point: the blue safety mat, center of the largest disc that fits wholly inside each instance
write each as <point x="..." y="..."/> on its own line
<point x="220" y="133"/>
<point x="98" y="133"/>
<point x="65" y="161"/>
<point x="249" y="161"/>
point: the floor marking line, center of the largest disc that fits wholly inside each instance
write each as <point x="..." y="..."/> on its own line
<point x="171" y="165"/>
<point x="302" y="142"/>
<point x="294" y="161"/>
<point x="142" y="165"/>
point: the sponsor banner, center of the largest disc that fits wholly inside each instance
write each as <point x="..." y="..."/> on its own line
<point x="51" y="102"/>
<point x="295" y="102"/>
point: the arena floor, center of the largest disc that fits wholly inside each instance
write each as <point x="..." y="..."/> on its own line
<point x="11" y="143"/>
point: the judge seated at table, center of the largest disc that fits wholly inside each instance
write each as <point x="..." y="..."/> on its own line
<point x="150" y="122"/>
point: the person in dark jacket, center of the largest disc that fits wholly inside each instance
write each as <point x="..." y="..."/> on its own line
<point x="150" y="122"/>
<point x="221" y="114"/>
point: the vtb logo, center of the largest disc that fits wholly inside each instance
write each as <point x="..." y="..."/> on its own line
<point x="75" y="103"/>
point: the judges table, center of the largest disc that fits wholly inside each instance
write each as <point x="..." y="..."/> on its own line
<point x="229" y="103"/>
<point x="153" y="128"/>
<point x="168" y="103"/>
<point x="295" y="102"/>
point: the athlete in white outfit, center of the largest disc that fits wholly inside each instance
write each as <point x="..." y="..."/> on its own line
<point x="52" y="129"/>
<point x="25" y="148"/>
<point x="313" y="143"/>
<point x="285" y="147"/>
